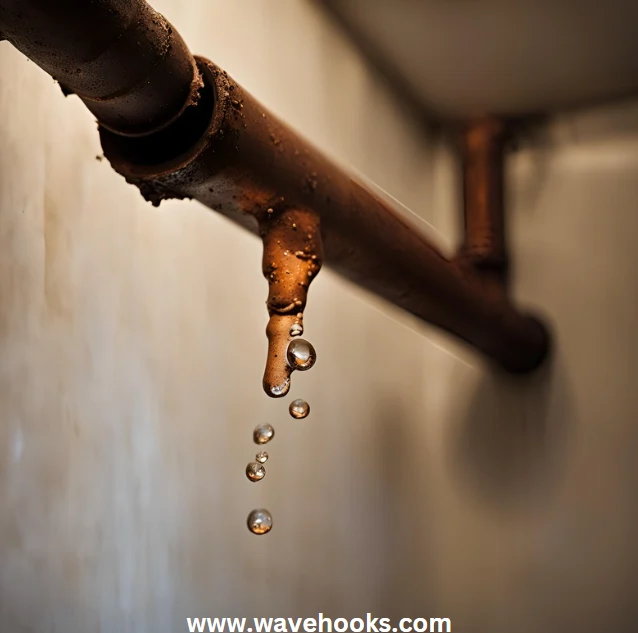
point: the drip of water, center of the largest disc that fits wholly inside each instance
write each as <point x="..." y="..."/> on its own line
<point x="277" y="391"/>
<point x="255" y="471"/>
<point x="299" y="409"/>
<point x="285" y="232"/>
<point x="263" y="433"/>
<point x="288" y="281"/>
<point x="259" y="521"/>
<point x="300" y="354"/>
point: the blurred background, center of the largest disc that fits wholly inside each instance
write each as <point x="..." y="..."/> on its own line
<point x="132" y="346"/>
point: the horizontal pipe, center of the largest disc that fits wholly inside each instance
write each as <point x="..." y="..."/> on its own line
<point x="244" y="161"/>
<point x="225" y="150"/>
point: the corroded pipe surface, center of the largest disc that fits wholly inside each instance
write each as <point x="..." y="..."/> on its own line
<point x="243" y="161"/>
<point x="123" y="59"/>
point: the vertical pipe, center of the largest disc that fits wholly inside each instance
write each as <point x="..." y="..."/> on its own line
<point x="484" y="248"/>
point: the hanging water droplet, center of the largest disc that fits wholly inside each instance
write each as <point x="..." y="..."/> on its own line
<point x="262" y="457"/>
<point x="296" y="329"/>
<point x="280" y="390"/>
<point x="299" y="409"/>
<point x="301" y="354"/>
<point x="263" y="433"/>
<point x="259" y="521"/>
<point x="255" y="471"/>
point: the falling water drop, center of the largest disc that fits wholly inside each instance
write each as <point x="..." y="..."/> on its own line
<point x="301" y="355"/>
<point x="259" y="522"/>
<point x="299" y="409"/>
<point x="296" y="329"/>
<point x="280" y="390"/>
<point x="263" y="433"/>
<point x="262" y="457"/>
<point x="255" y="471"/>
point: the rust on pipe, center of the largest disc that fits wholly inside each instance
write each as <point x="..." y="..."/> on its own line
<point x="484" y="249"/>
<point x="123" y="59"/>
<point x="179" y="127"/>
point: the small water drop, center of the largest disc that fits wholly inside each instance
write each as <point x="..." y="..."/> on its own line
<point x="259" y="522"/>
<point x="255" y="471"/>
<point x="301" y="354"/>
<point x="280" y="390"/>
<point x="296" y="329"/>
<point x="299" y="409"/>
<point x="263" y="433"/>
<point x="262" y="457"/>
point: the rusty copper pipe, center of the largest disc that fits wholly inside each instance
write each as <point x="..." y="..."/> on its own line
<point x="483" y="143"/>
<point x="228" y="152"/>
<point x="246" y="161"/>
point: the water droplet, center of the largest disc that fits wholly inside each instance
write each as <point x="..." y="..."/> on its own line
<point x="263" y="433"/>
<point x="259" y="522"/>
<point x="296" y="329"/>
<point x="262" y="457"/>
<point x="255" y="471"/>
<point x="301" y="354"/>
<point x="299" y="409"/>
<point x="280" y="390"/>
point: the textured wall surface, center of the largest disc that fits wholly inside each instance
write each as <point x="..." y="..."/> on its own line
<point x="131" y="351"/>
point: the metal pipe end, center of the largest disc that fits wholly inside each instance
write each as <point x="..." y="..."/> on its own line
<point x="538" y="347"/>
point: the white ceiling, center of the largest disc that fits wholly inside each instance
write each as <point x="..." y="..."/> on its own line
<point x="466" y="57"/>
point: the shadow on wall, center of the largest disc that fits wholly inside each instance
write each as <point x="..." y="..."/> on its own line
<point x="403" y="504"/>
<point x="510" y="446"/>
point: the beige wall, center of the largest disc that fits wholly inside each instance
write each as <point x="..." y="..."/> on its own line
<point x="132" y="346"/>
